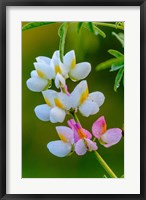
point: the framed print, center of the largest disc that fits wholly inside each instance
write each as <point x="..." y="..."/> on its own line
<point x="72" y="99"/>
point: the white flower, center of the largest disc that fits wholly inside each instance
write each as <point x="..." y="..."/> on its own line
<point x="88" y="104"/>
<point x="62" y="147"/>
<point x="42" y="75"/>
<point x="55" y="108"/>
<point x="75" y="71"/>
<point x="68" y="68"/>
<point x="59" y="70"/>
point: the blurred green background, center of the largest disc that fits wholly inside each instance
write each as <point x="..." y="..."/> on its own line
<point x="37" y="161"/>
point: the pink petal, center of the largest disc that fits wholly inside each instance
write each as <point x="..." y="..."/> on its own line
<point x="66" y="134"/>
<point x="87" y="133"/>
<point x="111" y="137"/>
<point x="91" y="145"/>
<point x="77" y="127"/>
<point x="80" y="147"/>
<point x="71" y="123"/>
<point x="99" y="127"/>
<point x="66" y="89"/>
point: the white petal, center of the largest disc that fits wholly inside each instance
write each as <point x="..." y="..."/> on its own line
<point x="43" y="59"/>
<point x="89" y="108"/>
<point x="59" y="81"/>
<point x="36" y="84"/>
<point x="80" y="147"/>
<point x="57" y="65"/>
<point x="49" y="97"/>
<point x="65" y="101"/>
<point x="57" y="115"/>
<point x="64" y="71"/>
<point x="55" y="59"/>
<point x="65" y="133"/>
<point x="34" y="73"/>
<point x="76" y="95"/>
<point x="43" y="112"/>
<point x="59" y="148"/>
<point x="44" y="70"/>
<point x="97" y="97"/>
<point x="56" y="55"/>
<point x="80" y="71"/>
<point x="69" y="60"/>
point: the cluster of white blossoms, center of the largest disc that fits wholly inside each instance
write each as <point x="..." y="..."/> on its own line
<point x="58" y="104"/>
<point x="47" y="69"/>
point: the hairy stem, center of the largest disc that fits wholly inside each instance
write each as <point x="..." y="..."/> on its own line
<point x="108" y="25"/>
<point x="104" y="165"/>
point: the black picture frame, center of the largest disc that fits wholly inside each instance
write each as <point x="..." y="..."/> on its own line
<point x="3" y="127"/>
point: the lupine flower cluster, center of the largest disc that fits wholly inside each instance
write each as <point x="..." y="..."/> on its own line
<point x="58" y="104"/>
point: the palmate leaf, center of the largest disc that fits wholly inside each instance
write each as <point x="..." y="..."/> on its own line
<point x="35" y="25"/>
<point x="62" y="34"/>
<point x="118" y="79"/>
<point x="116" y="63"/>
<point x="108" y="63"/>
<point x="94" y="29"/>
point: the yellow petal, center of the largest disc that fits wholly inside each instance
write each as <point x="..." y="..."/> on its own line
<point x="57" y="69"/>
<point x="41" y="74"/>
<point x="73" y="64"/>
<point x="58" y="103"/>
<point x="48" y="102"/>
<point x="62" y="137"/>
<point x="84" y="95"/>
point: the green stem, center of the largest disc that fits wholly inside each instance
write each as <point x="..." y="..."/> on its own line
<point x="75" y="116"/>
<point x="104" y="165"/>
<point x="109" y="25"/>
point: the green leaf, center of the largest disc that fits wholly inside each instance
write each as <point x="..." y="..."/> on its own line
<point x="99" y="31"/>
<point x="62" y="34"/>
<point x="121" y="35"/>
<point x="118" y="79"/>
<point x="118" y="36"/>
<point x="91" y="28"/>
<point x="115" y="53"/>
<point x="108" y="63"/>
<point x="94" y="29"/>
<point x="35" y="25"/>
<point x="79" y="25"/>
<point x="116" y="67"/>
<point x="122" y="176"/>
<point x="104" y="176"/>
